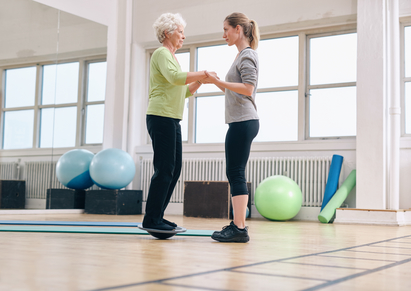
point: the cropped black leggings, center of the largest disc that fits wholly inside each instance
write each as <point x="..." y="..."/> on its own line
<point x="238" y="141"/>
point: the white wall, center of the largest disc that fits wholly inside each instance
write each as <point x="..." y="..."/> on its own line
<point x="204" y="18"/>
<point x="30" y="31"/>
<point x="99" y="11"/>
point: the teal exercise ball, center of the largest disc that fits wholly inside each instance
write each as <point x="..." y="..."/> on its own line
<point x="72" y="169"/>
<point x="278" y="198"/>
<point x="247" y="212"/>
<point x="112" y="169"/>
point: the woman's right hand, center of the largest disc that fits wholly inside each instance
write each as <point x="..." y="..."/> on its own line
<point x="211" y="78"/>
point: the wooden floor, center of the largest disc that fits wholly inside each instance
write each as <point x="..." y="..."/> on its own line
<point x="279" y="256"/>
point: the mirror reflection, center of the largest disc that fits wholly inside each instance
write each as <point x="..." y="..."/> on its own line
<point x="53" y="70"/>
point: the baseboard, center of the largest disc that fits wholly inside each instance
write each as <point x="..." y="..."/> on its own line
<point x="308" y="214"/>
<point x="172" y="209"/>
<point x="400" y="217"/>
<point x="35" y="203"/>
<point x="305" y="213"/>
<point x="38" y="206"/>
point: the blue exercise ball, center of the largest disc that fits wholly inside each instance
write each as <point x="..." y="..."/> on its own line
<point x="72" y="169"/>
<point x="112" y="169"/>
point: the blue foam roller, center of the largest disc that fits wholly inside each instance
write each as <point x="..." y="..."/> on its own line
<point x="332" y="181"/>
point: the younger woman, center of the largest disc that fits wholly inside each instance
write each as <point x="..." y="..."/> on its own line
<point x="240" y="88"/>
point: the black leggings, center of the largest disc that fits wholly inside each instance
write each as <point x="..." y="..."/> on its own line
<point x="238" y="141"/>
<point x="165" y="135"/>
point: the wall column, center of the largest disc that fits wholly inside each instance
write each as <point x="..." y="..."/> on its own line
<point x="393" y="59"/>
<point x="371" y="105"/>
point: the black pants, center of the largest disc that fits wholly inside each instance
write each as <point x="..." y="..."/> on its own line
<point x="238" y="141"/>
<point x="165" y="135"/>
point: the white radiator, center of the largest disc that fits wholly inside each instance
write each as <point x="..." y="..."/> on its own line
<point x="310" y="173"/>
<point x="9" y="171"/>
<point x="41" y="176"/>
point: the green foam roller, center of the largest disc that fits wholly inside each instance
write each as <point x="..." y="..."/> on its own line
<point x="337" y="200"/>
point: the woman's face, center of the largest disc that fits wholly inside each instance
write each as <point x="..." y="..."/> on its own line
<point x="231" y="34"/>
<point x="177" y="38"/>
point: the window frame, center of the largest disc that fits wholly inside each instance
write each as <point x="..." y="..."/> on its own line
<point x="37" y="107"/>
<point x="85" y="103"/>
<point x="346" y="142"/>
<point x="309" y="87"/>
<point x="403" y="79"/>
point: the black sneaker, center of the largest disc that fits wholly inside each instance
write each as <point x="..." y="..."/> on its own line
<point x="169" y="222"/>
<point x="231" y="233"/>
<point x="160" y="226"/>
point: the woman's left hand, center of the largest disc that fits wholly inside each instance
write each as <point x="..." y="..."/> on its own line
<point x="211" y="78"/>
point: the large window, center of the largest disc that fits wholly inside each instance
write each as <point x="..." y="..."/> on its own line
<point x="306" y="88"/>
<point x="210" y="124"/>
<point x="331" y="88"/>
<point x="407" y="78"/>
<point x="277" y="94"/>
<point x="18" y="107"/>
<point x="44" y="105"/>
<point x="94" y="105"/>
<point x="184" y="61"/>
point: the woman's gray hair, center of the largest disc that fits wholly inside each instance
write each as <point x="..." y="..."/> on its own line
<point x="167" y="22"/>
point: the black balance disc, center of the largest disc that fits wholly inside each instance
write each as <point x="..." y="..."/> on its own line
<point x="163" y="234"/>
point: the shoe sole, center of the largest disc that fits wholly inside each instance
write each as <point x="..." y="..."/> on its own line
<point x="238" y="239"/>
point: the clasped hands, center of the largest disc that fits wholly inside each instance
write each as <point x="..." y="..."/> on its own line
<point x="211" y="78"/>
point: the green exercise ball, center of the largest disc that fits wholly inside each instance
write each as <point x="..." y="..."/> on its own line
<point x="278" y="198"/>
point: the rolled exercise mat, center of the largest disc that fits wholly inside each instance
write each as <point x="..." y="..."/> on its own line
<point x="332" y="181"/>
<point x="329" y="210"/>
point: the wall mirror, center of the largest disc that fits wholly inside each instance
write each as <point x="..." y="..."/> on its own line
<point x="53" y="69"/>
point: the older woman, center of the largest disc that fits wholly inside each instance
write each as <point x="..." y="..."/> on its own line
<point x="169" y="86"/>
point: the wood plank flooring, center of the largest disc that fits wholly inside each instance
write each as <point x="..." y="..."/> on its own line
<point x="280" y="256"/>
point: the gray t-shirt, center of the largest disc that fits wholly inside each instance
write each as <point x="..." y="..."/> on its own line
<point x="239" y="107"/>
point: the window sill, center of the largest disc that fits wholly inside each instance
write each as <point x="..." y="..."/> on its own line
<point x="306" y="146"/>
<point x="44" y="152"/>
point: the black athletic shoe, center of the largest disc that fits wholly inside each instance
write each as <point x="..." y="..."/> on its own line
<point x="160" y="226"/>
<point x="231" y="233"/>
<point x="169" y="223"/>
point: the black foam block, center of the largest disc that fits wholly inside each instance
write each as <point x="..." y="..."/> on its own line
<point x="12" y="194"/>
<point x="116" y="202"/>
<point x="209" y="199"/>
<point x="65" y="199"/>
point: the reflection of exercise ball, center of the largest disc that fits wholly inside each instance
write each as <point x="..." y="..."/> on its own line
<point x="112" y="169"/>
<point x="72" y="169"/>
<point x="278" y="198"/>
<point x="247" y="212"/>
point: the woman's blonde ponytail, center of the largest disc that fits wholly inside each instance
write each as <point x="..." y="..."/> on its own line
<point x="250" y="27"/>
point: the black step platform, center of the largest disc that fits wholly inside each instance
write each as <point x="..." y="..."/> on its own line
<point x="65" y="199"/>
<point x="12" y="194"/>
<point x="116" y="202"/>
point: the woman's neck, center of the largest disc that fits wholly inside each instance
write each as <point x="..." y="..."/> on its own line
<point x="168" y="46"/>
<point x="241" y="45"/>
